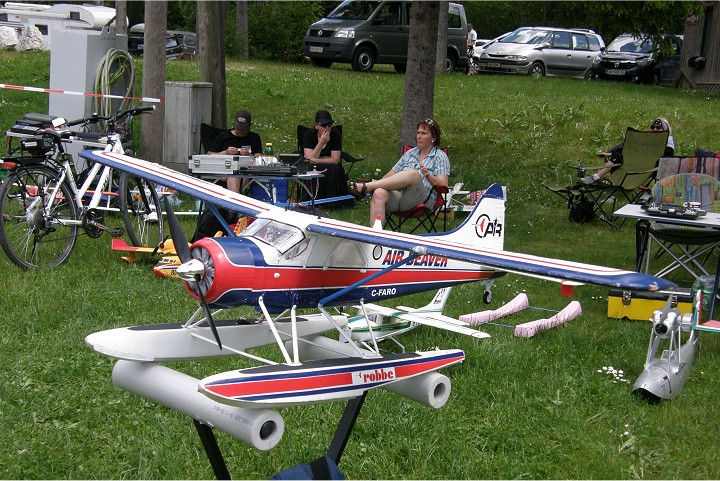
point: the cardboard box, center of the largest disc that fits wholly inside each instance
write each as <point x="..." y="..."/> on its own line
<point x="641" y="305"/>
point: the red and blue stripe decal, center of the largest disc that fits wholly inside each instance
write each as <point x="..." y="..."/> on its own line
<point x="324" y="380"/>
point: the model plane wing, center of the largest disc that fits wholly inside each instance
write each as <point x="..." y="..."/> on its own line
<point x="440" y="322"/>
<point x="437" y="245"/>
<point x="504" y="260"/>
<point x="429" y="318"/>
<point x="161" y="175"/>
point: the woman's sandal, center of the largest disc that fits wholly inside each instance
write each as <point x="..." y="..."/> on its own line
<point x="358" y="194"/>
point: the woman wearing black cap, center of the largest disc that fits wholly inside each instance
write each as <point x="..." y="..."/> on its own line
<point x="615" y="157"/>
<point x="322" y="146"/>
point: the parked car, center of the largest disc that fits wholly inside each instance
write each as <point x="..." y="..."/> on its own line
<point x="188" y="43"/>
<point x="541" y="51"/>
<point x="479" y="45"/>
<point x="637" y="58"/>
<point x="364" y="33"/>
<point x="178" y="43"/>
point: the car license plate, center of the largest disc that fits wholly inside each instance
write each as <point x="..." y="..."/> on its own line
<point x="493" y="65"/>
<point x="614" y="72"/>
<point x="316" y="49"/>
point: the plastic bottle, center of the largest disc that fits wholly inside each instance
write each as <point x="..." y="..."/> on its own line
<point x="376" y="174"/>
<point x="706" y="284"/>
<point x="268" y="157"/>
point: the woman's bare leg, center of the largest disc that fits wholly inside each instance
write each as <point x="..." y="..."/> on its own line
<point x="397" y="181"/>
<point x="377" y="205"/>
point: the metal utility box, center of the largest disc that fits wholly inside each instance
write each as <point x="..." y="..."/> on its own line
<point x="187" y="105"/>
<point x="74" y="61"/>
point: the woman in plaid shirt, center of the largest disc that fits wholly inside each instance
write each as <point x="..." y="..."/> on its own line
<point x="412" y="178"/>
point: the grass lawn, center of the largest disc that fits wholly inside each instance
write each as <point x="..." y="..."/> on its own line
<point x="543" y="408"/>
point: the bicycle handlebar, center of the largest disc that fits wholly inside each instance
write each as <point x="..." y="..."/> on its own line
<point x="95" y="118"/>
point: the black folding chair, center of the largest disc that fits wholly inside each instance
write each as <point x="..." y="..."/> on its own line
<point x="207" y="135"/>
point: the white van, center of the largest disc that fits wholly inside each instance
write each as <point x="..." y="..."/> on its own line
<point x="364" y="33"/>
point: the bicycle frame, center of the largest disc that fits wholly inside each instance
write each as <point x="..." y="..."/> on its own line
<point x="66" y="175"/>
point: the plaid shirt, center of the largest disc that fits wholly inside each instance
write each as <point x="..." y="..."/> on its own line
<point x="436" y="162"/>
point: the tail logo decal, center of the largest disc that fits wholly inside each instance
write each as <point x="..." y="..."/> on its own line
<point x="485" y="227"/>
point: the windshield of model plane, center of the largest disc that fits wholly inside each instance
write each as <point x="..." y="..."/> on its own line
<point x="279" y="235"/>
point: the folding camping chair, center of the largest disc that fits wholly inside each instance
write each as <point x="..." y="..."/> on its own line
<point x="425" y="214"/>
<point x="689" y="247"/>
<point x="207" y="135"/>
<point x="641" y="152"/>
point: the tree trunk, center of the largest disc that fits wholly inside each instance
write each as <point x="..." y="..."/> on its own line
<point x="153" y="79"/>
<point x="420" y="77"/>
<point x="241" y="27"/>
<point x="121" y="26"/>
<point x="211" y="28"/>
<point x="442" y="40"/>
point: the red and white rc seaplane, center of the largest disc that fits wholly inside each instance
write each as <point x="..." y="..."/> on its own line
<point x="286" y="260"/>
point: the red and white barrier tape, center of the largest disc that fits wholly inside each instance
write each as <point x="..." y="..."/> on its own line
<point x="85" y="94"/>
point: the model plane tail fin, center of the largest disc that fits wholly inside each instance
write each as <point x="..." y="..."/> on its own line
<point x="438" y="302"/>
<point x="485" y="225"/>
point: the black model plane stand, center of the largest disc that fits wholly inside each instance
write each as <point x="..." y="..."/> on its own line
<point x="335" y="451"/>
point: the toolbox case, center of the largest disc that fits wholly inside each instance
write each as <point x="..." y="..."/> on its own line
<point x="641" y="305"/>
<point x="219" y="164"/>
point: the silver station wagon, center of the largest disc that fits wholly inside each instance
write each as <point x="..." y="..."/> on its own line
<point x="541" y="51"/>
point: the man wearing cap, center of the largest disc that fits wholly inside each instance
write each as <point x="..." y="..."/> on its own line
<point x="322" y="146"/>
<point x="238" y="141"/>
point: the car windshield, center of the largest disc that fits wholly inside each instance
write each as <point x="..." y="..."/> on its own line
<point x="352" y="10"/>
<point x="630" y="44"/>
<point x="529" y="36"/>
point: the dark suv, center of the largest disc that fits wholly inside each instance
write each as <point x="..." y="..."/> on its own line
<point x="637" y="58"/>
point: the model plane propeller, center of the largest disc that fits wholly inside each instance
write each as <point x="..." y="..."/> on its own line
<point x="288" y="260"/>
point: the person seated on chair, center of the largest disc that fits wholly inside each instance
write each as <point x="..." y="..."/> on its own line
<point x="322" y="147"/>
<point x="614" y="155"/>
<point x="412" y="178"/>
<point x="238" y="141"/>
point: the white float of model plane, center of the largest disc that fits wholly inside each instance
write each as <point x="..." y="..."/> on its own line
<point x="287" y="260"/>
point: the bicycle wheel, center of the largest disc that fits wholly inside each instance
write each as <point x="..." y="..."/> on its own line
<point x="141" y="211"/>
<point x="37" y="228"/>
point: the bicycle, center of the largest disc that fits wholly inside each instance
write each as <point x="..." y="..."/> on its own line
<point x="43" y="208"/>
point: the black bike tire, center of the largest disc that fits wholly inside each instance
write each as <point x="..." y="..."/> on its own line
<point x="142" y="232"/>
<point x="19" y="239"/>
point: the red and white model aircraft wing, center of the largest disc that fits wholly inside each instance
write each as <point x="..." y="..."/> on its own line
<point x="444" y="245"/>
<point x="198" y="188"/>
<point x="478" y="240"/>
